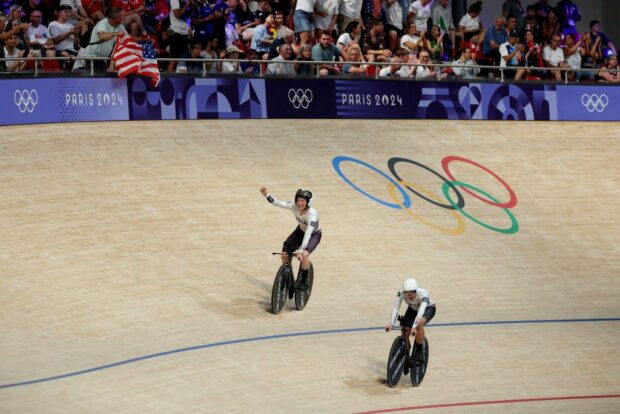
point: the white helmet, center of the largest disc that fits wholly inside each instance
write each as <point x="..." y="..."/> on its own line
<point x="410" y="284"/>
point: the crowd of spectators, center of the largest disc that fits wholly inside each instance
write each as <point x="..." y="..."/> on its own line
<point x="341" y="36"/>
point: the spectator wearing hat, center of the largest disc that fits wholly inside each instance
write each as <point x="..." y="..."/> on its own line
<point x="512" y="55"/>
<point x="231" y="52"/>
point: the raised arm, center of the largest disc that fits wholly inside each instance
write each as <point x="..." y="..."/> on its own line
<point x="275" y="201"/>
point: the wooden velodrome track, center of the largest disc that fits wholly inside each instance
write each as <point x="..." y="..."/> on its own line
<point x="136" y="267"/>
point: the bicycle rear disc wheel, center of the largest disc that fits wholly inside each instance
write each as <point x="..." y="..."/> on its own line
<point x="418" y="371"/>
<point x="280" y="288"/>
<point x="303" y="296"/>
<point x="396" y="361"/>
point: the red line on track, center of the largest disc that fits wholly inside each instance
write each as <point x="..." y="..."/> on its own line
<point x="462" y="404"/>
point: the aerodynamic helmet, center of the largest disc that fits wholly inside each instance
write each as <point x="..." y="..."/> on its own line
<point x="410" y="284"/>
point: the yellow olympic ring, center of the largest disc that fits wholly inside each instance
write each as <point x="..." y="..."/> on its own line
<point x="393" y="193"/>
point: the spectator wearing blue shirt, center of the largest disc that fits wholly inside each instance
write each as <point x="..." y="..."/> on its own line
<point x="493" y="39"/>
<point x="326" y="51"/>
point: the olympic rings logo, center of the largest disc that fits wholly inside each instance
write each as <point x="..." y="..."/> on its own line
<point x="400" y="198"/>
<point x="300" y="98"/>
<point x="26" y="100"/>
<point x="595" y="102"/>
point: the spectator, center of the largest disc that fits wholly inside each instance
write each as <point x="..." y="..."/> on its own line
<point x="231" y="52"/>
<point x="573" y="54"/>
<point x="351" y="36"/>
<point x="604" y="47"/>
<point x="434" y="44"/>
<point x="95" y="9"/>
<point x="374" y="45"/>
<point x="494" y="38"/>
<point x="531" y="23"/>
<point x="288" y="37"/>
<point x="357" y="67"/>
<point x="442" y="16"/>
<point x="328" y="18"/>
<point x="262" y="39"/>
<point x="157" y="17"/>
<point x="326" y="51"/>
<point x="132" y="15"/>
<point x="192" y="67"/>
<point x="411" y="41"/>
<point x="304" y="56"/>
<point x="38" y="37"/>
<point x="426" y="71"/>
<point x="64" y="34"/>
<point x="7" y="29"/>
<point x="276" y="67"/>
<point x="551" y="26"/>
<point x="396" y="70"/>
<point x="513" y="8"/>
<point x="512" y="54"/>
<point x="278" y="24"/>
<point x="419" y="13"/>
<point x="246" y="21"/>
<point x="303" y="18"/>
<point x="533" y="54"/>
<point x="78" y="18"/>
<point x="568" y="14"/>
<point x="209" y="52"/>
<point x="102" y="39"/>
<point x="10" y="50"/>
<point x="542" y="10"/>
<point x="609" y="71"/>
<point x="230" y="23"/>
<point x="283" y="7"/>
<point x="178" y="39"/>
<point x="394" y="27"/>
<point x="263" y="10"/>
<point x="470" y="28"/>
<point x="349" y="11"/>
<point x="251" y="67"/>
<point x="15" y="19"/>
<point x="470" y="71"/>
<point x="553" y="56"/>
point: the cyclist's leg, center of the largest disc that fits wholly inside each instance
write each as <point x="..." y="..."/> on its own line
<point x="420" y="334"/>
<point x="291" y="242"/>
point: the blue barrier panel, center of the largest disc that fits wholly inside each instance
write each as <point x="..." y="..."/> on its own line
<point x="27" y="101"/>
<point x="32" y="101"/>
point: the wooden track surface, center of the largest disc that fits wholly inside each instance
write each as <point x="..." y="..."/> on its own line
<point x="135" y="268"/>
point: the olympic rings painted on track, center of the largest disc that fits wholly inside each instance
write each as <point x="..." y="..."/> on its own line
<point x="513" y="197"/>
<point x="427" y="195"/>
<point x="338" y="160"/>
<point x="461" y="223"/>
<point x="515" y="225"/>
<point x="392" y="166"/>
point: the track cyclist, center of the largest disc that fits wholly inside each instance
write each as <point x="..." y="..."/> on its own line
<point x="420" y="311"/>
<point x="306" y="236"/>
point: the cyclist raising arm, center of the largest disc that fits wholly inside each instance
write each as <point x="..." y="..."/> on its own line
<point x="306" y="236"/>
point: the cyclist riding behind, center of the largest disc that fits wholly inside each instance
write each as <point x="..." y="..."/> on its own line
<point x="420" y="311"/>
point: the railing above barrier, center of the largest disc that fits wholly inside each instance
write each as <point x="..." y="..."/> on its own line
<point x="207" y="63"/>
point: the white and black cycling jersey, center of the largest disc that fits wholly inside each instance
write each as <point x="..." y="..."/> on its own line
<point x="308" y="220"/>
<point x="419" y="304"/>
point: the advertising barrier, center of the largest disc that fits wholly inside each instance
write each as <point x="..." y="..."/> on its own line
<point x="35" y="101"/>
<point x="27" y="101"/>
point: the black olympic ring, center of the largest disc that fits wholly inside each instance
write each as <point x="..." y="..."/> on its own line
<point x="392" y="166"/>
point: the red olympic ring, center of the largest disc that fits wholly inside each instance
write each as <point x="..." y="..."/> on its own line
<point x="513" y="197"/>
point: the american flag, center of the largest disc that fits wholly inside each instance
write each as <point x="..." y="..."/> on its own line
<point x="133" y="57"/>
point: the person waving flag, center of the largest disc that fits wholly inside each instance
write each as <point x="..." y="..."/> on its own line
<point x="136" y="57"/>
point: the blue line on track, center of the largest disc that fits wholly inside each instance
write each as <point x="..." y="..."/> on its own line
<point x="289" y="335"/>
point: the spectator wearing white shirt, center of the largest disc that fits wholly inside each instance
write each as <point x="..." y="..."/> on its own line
<point x="394" y="27"/>
<point x="38" y="37"/>
<point x="470" y="28"/>
<point x="350" y="11"/>
<point x="276" y="67"/>
<point x="411" y="41"/>
<point x="553" y="57"/>
<point x="64" y="34"/>
<point x="419" y="13"/>
<point x="350" y="37"/>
